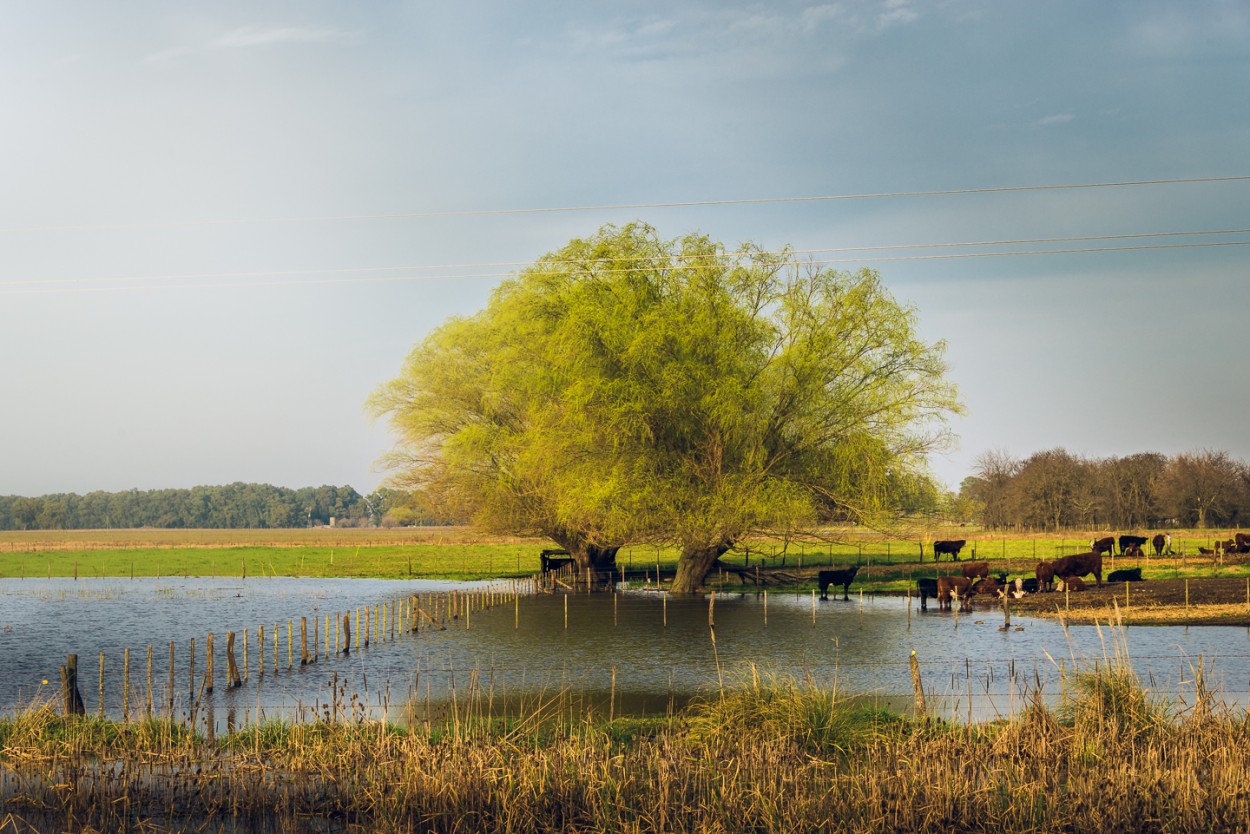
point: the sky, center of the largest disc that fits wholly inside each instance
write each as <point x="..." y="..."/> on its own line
<point x="223" y="225"/>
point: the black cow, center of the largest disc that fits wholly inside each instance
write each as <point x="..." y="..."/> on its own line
<point x="1127" y="541"/>
<point x="1103" y="545"/>
<point x="951" y="546"/>
<point x="842" y="576"/>
<point x="927" y="588"/>
<point x="1125" y="575"/>
<point x="1029" y="586"/>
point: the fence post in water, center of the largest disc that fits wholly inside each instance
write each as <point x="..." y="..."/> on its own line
<point x="171" y="680"/>
<point x="69" y="687"/>
<point x="100" y="705"/>
<point x="191" y="671"/>
<point x="290" y="649"/>
<point x="917" y="687"/>
<point x="208" y="660"/>
<point x="232" y="670"/>
<point x="126" y="684"/>
<point x="303" y="641"/>
<point x="245" y="664"/>
<point x="260" y="642"/>
<point x="149" y="698"/>
<point x="347" y="634"/>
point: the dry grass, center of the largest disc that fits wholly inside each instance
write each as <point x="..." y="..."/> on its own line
<point x="773" y="755"/>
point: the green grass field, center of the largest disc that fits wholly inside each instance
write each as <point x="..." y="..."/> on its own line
<point x="459" y="553"/>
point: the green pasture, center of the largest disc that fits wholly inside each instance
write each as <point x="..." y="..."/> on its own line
<point x="891" y="565"/>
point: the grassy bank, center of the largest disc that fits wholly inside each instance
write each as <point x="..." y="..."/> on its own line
<point x="771" y="756"/>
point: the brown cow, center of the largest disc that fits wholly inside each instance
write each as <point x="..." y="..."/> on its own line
<point x="1104" y="545"/>
<point x="1079" y="564"/>
<point x="989" y="586"/>
<point x="1073" y="583"/>
<point x="977" y="570"/>
<point x="1161" y="542"/>
<point x="1045" y="572"/>
<point x="1205" y="551"/>
<point x="948" y="585"/>
<point x="1133" y="552"/>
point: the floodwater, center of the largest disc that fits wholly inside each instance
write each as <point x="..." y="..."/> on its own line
<point x="634" y="652"/>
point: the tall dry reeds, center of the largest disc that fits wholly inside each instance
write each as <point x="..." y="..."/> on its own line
<point x="772" y="754"/>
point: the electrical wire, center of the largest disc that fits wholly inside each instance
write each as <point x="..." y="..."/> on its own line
<point x="21" y="286"/>
<point x="437" y="213"/>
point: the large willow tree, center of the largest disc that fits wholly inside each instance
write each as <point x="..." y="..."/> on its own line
<point x="627" y="388"/>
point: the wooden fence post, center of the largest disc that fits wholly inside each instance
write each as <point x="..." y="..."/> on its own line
<point x="917" y="688"/>
<point x="100" y="705"/>
<point x="232" y="670"/>
<point x="69" y="687"/>
<point x="208" y="661"/>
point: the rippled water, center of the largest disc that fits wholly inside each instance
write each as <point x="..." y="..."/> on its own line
<point x="618" y="651"/>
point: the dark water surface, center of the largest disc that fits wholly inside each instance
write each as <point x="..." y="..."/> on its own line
<point x="525" y="654"/>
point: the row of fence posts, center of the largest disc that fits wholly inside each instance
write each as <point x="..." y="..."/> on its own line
<point x="332" y="635"/>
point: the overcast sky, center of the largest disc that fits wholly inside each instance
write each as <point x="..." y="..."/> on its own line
<point x="193" y="192"/>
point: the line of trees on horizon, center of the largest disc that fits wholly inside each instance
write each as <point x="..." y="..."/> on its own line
<point x="1055" y="489"/>
<point x="229" y="506"/>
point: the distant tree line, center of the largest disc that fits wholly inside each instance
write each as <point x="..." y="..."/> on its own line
<point x="232" y="506"/>
<point x="1056" y="489"/>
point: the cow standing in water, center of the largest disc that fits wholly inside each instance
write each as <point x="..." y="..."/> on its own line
<point x="949" y="587"/>
<point x="843" y="577"/>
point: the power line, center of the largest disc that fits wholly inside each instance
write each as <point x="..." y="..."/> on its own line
<point x="436" y="213"/>
<point x="371" y="274"/>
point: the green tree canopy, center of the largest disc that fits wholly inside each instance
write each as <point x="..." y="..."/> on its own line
<point x="628" y="388"/>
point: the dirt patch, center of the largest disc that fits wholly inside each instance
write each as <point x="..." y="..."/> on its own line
<point x="1193" y="601"/>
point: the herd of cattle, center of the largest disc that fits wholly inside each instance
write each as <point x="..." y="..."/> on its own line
<point x="1064" y="573"/>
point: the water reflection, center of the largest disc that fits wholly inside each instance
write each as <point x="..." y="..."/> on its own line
<point x="629" y="654"/>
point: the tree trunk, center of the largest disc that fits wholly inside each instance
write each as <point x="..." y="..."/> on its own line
<point x="694" y="566"/>
<point x="587" y="556"/>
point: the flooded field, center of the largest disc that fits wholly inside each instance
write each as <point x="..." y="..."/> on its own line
<point x="633" y="653"/>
